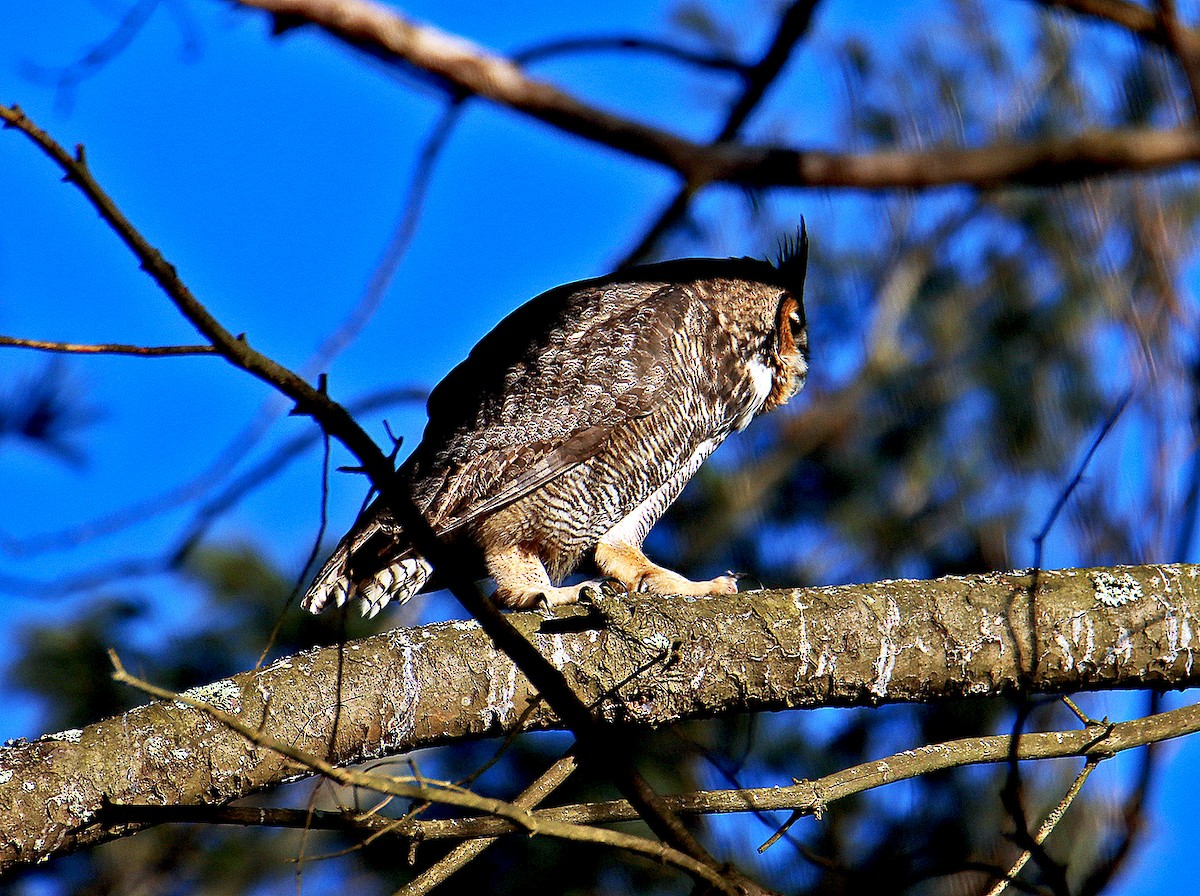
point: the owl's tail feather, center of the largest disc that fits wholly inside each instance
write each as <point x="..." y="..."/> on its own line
<point x="371" y="564"/>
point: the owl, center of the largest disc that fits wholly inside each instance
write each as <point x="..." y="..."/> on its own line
<point x="573" y="425"/>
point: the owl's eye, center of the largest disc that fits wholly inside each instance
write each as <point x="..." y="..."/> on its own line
<point x="796" y="323"/>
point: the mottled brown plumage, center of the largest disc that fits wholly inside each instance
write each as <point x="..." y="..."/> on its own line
<point x="574" y="423"/>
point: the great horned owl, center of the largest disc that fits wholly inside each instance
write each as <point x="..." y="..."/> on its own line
<point x="573" y="424"/>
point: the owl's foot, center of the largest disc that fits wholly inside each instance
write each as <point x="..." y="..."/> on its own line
<point x="628" y="565"/>
<point x="522" y="583"/>
<point x="663" y="581"/>
<point x="548" y="597"/>
<point x="594" y="589"/>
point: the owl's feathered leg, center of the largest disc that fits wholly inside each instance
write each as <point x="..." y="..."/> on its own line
<point x="522" y="582"/>
<point x="627" y="564"/>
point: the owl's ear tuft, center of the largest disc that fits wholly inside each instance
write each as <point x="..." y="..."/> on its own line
<point x="792" y="262"/>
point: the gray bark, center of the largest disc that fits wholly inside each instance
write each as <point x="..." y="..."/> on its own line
<point x="854" y="645"/>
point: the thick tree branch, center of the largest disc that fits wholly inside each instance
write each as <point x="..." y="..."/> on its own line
<point x="1126" y="627"/>
<point x="467" y="68"/>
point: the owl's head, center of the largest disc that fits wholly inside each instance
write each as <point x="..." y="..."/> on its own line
<point x="758" y="303"/>
<point x="786" y="350"/>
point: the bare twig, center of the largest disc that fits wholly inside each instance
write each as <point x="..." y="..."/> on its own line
<point x="1185" y="49"/>
<point x="1065" y="495"/>
<point x="211" y="509"/>
<point x="234" y="348"/>
<point x="535" y="793"/>
<point x="314" y="552"/>
<point x="621" y="43"/>
<point x="1132" y="815"/>
<point x="1131" y="16"/>
<point x="1047" y="826"/>
<point x="97" y="56"/>
<point x="810" y="797"/>
<point x="109" y="348"/>
<point x="793" y="25"/>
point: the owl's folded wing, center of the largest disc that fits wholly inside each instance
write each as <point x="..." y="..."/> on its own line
<point x="503" y="424"/>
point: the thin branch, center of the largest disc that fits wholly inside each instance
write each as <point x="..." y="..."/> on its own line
<point x="1047" y="826"/>
<point x="1132" y="815"/>
<point x="1132" y="17"/>
<point x="463" y="853"/>
<point x="1185" y="51"/>
<point x="106" y="348"/>
<point x="235" y="349"/>
<point x="1065" y="495"/>
<point x="429" y="792"/>
<point x="1191" y="501"/>
<point x="302" y="578"/>
<point x="793" y="25"/>
<point x="619" y="43"/>
<point x="208" y="513"/>
<point x="465" y="68"/>
<point x="101" y="54"/>
<point x="812" y="797"/>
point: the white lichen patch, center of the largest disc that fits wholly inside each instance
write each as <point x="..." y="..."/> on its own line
<point x="1179" y="637"/>
<point x="224" y="695"/>
<point x="1115" y="589"/>
<point x="826" y="664"/>
<point x="500" y="698"/>
<point x="1076" y="642"/>
<point x="1064" y="647"/>
<point x="658" y="642"/>
<point x="403" y="699"/>
<point x="889" y="649"/>
<point x="559" y="656"/>
<point x="804" y="646"/>
<point x="70" y="736"/>
<point x="279" y="665"/>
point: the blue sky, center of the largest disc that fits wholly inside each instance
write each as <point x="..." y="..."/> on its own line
<point x="271" y="172"/>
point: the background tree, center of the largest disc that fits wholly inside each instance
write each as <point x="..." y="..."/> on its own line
<point x="971" y="337"/>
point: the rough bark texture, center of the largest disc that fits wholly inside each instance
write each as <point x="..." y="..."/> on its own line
<point x="1126" y="627"/>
